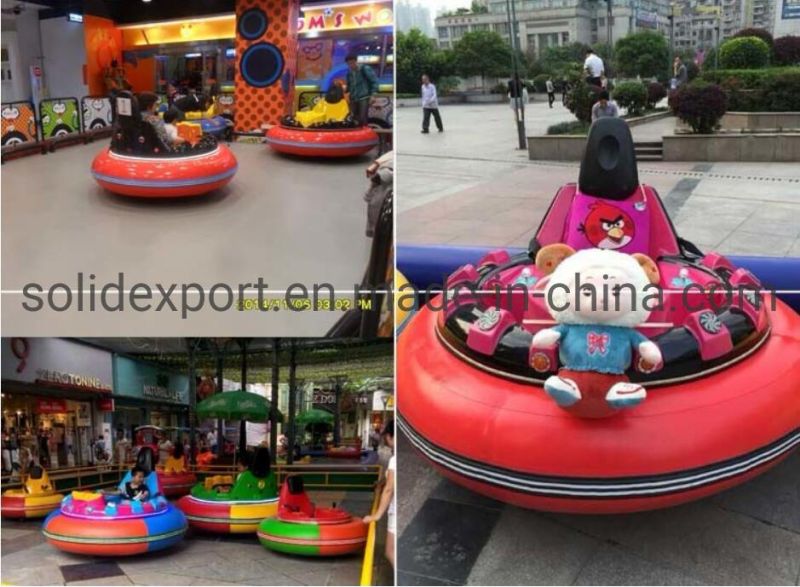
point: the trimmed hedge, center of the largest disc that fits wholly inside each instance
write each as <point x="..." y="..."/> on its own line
<point x="632" y="96"/>
<point x="574" y="127"/>
<point x="748" y="79"/>
<point x="655" y="93"/>
<point x="762" y="34"/>
<point x="786" y="50"/>
<point x="701" y="105"/>
<point x="744" y="53"/>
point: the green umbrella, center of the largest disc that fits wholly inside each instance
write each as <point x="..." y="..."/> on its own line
<point x="236" y="405"/>
<point x="314" y="416"/>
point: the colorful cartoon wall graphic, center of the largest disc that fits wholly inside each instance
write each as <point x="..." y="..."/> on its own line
<point x="19" y="123"/>
<point x="96" y="112"/>
<point x="103" y="45"/>
<point x="266" y="46"/>
<point x="59" y="116"/>
<point x="314" y="58"/>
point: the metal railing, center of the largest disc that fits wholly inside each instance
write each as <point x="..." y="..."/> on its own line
<point x="368" y="565"/>
<point x="316" y="477"/>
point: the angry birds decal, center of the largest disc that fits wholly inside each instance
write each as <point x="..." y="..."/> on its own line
<point x="608" y="227"/>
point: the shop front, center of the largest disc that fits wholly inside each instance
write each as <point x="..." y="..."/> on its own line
<point x="328" y="32"/>
<point x="147" y="394"/>
<point x="56" y="401"/>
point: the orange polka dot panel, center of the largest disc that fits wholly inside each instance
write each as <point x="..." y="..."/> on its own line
<point x="266" y="57"/>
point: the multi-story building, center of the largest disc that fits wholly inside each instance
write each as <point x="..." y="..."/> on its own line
<point x="548" y="23"/>
<point x="413" y="15"/>
<point x="787" y="18"/>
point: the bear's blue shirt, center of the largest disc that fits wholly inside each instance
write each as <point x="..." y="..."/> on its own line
<point x="597" y="347"/>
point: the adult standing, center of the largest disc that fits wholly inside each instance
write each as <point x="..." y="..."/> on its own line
<point x="362" y="84"/>
<point x="164" y="450"/>
<point x="430" y="105"/>
<point x="551" y="91"/>
<point x="594" y="68"/>
<point x="516" y="94"/>
<point x="387" y="495"/>
<point x="680" y="73"/>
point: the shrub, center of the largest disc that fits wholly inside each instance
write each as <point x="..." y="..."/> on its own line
<point x="655" y="93"/>
<point x="447" y="85"/>
<point x="499" y="88"/>
<point x="575" y="127"/>
<point x="762" y="34"/>
<point x="749" y="79"/>
<point x="581" y="98"/>
<point x="744" y="53"/>
<point x="632" y="96"/>
<point x="786" y="50"/>
<point x="700" y="105"/>
<point x="539" y="82"/>
<point x="782" y="93"/>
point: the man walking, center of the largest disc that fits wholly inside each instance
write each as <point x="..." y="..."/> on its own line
<point x="362" y="84"/>
<point x="594" y="68"/>
<point x="430" y="105"/>
<point x="551" y="91"/>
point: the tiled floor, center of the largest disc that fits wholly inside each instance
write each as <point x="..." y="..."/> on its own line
<point x="471" y="186"/>
<point x="747" y="535"/>
<point x="287" y="220"/>
<point x="200" y="559"/>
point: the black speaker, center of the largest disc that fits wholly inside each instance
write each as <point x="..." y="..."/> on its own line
<point x="253" y="23"/>
<point x="261" y="64"/>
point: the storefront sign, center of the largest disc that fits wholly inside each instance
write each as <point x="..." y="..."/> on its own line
<point x="341" y="18"/>
<point x="646" y="19"/>
<point x="791" y="9"/>
<point x="56" y="362"/>
<point x="71" y="381"/>
<point x="382" y="400"/>
<point x="51" y="406"/>
<point x="105" y="404"/>
<point x="324" y="399"/>
<point x="158" y="392"/>
<point x="147" y="381"/>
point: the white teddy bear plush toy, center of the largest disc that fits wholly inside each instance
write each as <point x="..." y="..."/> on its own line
<point x="597" y="297"/>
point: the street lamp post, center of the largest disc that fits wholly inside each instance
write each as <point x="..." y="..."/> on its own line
<point x="519" y="107"/>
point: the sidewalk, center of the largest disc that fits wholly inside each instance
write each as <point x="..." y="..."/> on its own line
<point x="749" y="535"/>
<point x="470" y="186"/>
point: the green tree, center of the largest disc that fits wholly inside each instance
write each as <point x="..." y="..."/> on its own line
<point x="478" y="8"/>
<point x="645" y="54"/>
<point x="417" y="54"/>
<point x="482" y="53"/>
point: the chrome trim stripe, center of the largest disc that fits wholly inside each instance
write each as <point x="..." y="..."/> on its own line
<point x="163" y="183"/>
<point x="613" y="487"/>
<point x="113" y="541"/>
<point x="305" y="145"/>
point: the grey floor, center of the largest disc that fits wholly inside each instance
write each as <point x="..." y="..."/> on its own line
<point x="749" y="535"/>
<point x="200" y="559"/>
<point x="284" y="219"/>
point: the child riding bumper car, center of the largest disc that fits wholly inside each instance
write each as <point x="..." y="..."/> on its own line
<point x="326" y="130"/>
<point x="142" y="161"/>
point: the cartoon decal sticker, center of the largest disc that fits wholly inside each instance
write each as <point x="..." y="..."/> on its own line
<point x="59" y="117"/>
<point x="19" y="123"/>
<point x="607" y="227"/>
<point x="96" y="112"/>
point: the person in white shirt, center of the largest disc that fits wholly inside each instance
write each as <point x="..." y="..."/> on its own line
<point x="387" y="496"/>
<point x="594" y="68"/>
<point x="430" y="105"/>
<point x="551" y="91"/>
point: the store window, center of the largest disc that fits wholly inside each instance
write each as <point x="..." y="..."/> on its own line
<point x="57" y="433"/>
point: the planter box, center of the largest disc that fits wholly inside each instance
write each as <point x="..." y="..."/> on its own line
<point x="769" y="122"/>
<point x="556" y="147"/>
<point x="417" y="102"/>
<point x="783" y="147"/>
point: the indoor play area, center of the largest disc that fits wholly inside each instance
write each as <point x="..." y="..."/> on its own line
<point x="192" y="140"/>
